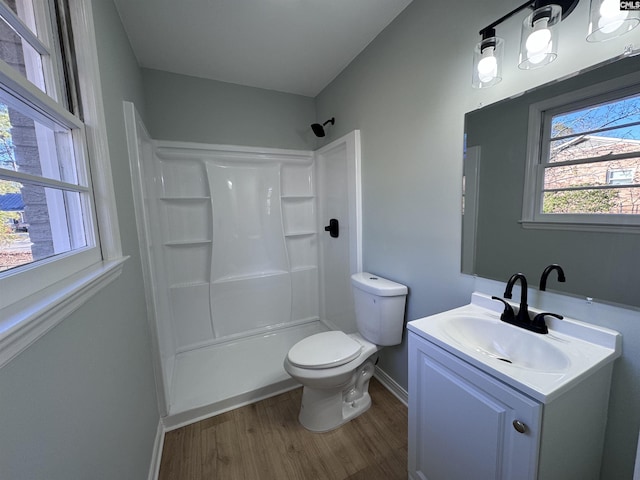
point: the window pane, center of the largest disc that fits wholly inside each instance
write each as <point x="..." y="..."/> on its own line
<point x="21" y="56"/>
<point x="612" y="142"/>
<point x="37" y="223"/>
<point x="606" y="115"/>
<point x="604" y="201"/>
<point x="592" y="174"/>
<point x="24" y="10"/>
<point x="29" y="146"/>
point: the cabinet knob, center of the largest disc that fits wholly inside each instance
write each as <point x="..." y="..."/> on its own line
<point x="519" y="426"/>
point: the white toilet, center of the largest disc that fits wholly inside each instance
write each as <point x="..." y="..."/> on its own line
<point x="335" y="368"/>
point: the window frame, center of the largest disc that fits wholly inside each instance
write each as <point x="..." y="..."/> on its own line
<point x="537" y="148"/>
<point x="47" y="291"/>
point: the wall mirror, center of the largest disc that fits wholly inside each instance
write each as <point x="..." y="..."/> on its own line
<point x="604" y="265"/>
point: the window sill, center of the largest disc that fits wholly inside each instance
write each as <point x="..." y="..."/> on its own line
<point x="580" y="227"/>
<point x="24" y="322"/>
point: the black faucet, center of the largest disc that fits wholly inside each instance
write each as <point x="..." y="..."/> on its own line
<point x="523" y="312"/>
<point x="547" y="271"/>
<point x="522" y="319"/>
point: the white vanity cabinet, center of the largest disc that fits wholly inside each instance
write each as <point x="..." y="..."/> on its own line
<point x="466" y="424"/>
<point x="462" y="422"/>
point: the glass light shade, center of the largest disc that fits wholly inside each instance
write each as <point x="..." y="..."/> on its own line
<point x="487" y="62"/>
<point x="607" y="21"/>
<point x="539" y="39"/>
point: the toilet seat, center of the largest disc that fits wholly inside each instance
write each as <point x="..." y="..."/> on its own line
<point x="324" y="350"/>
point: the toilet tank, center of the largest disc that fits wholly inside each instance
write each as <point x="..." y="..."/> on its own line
<point x="379" y="305"/>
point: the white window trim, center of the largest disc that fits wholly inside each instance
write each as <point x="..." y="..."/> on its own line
<point x="95" y="124"/>
<point x="531" y="219"/>
<point x="29" y="318"/>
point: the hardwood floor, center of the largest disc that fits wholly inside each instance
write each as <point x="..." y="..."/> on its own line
<point x="265" y="441"/>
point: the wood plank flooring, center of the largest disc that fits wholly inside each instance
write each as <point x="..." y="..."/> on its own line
<point x="265" y="441"/>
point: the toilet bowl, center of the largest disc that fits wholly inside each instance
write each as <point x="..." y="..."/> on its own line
<point x="333" y="395"/>
<point x="335" y="368"/>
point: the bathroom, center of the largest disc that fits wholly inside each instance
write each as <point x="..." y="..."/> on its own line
<point x="407" y="93"/>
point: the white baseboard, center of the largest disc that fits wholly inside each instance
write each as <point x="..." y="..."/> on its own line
<point x="156" y="456"/>
<point x="391" y="385"/>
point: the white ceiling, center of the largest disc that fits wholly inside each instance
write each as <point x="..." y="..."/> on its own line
<point x="294" y="46"/>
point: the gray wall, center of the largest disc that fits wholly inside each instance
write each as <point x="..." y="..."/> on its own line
<point x="190" y="109"/>
<point x="80" y="403"/>
<point x="408" y="93"/>
<point x="411" y="168"/>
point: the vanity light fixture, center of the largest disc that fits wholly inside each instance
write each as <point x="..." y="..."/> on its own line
<point x="539" y="38"/>
<point x="487" y="60"/>
<point x="608" y="20"/>
<point x="538" y="43"/>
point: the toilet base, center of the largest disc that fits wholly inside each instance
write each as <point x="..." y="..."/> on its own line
<point x="325" y="410"/>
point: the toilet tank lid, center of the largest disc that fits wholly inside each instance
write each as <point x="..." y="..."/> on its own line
<point x="377" y="285"/>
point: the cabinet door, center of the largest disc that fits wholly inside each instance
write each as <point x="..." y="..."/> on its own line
<point x="461" y="421"/>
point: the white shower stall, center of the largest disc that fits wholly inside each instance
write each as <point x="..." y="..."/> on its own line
<point x="238" y="266"/>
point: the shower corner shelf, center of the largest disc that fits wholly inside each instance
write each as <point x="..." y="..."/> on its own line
<point x="303" y="268"/>
<point x="297" y="197"/>
<point x="186" y="243"/>
<point x="186" y="199"/>
<point x="304" y="233"/>
<point x="249" y="276"/>
<point x="178" y="285"/>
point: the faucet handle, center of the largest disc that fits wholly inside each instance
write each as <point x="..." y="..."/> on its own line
<point x="540" y="325"/>
<point x="540" y="317"/>
<point x="508" y="313"/>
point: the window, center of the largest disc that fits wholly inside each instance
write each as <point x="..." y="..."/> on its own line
<point x="52" y="254"/>
<point x="41" y="156"/>
<point x="584" y="154"/>
<point x="620" y="176"/>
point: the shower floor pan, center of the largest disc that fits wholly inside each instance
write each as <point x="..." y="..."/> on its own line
<point x="218" y="378"/>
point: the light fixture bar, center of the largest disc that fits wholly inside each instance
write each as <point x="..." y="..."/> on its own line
<point x="539" y="40"/>
<point x="567" y="7"/>
<point x="493" y="25"/>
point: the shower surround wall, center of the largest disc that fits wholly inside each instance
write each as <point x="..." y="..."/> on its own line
<point x="239" y="241"/>
<point x="232" y="244"/>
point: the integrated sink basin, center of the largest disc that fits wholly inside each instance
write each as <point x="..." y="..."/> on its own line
<point x="506" y="343"/>
<point x="541" y="365"/>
